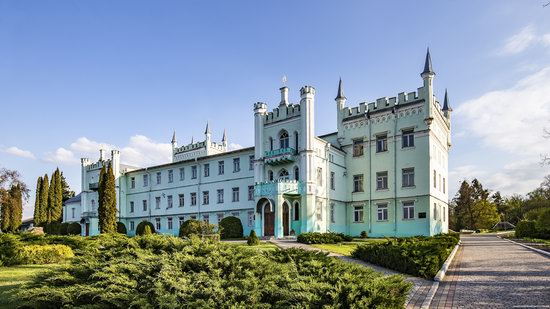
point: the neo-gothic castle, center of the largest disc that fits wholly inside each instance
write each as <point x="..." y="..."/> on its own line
<point x="384" y="171"/>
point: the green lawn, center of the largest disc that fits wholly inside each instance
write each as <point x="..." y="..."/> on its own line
<point x="346" y="248"/>
<point x="11" y="278"/>
<point x="263" y="246"/>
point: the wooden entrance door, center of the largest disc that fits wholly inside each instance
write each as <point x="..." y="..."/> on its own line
<point x="286" y="225"/>
<point x="87" y="229"/>
<point x="269" y="222"/>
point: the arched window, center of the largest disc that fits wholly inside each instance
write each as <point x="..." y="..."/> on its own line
<point x="296" y="211"/>
<point x="270" y="175"/>
<point x="270" y="143"/>
<point x="296" y="141"/>
<point x="283" y="174"/>
<point x="296" y="173"/>
<point x="284" y="140"/>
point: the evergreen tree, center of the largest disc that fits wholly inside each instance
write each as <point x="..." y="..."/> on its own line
<point x="107" y="204"/>
<point x="44" y="192"/>
<point x="16" y="208"/>
<point x="101" y="190"/>
<point x="5" y="212"/>
<point x="67" y="192"/>
<point x="36" y="215"/>
<point x="57" y="207"/>
<point x="51" y="199"/>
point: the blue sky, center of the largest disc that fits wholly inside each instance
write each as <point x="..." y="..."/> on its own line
<point x="78" y="74"/>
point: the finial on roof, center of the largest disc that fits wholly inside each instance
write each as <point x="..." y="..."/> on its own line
<point x="340" y="91"/>
<point x="224" y="138"/>
<point x="428" y="64"/>
<point x="192" y="140"/>
<point x="174" y="137"/>
<point x="446" y="106"/>
<point x="207" y="131"/>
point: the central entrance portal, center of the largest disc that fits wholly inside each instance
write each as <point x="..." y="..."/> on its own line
<point x="269" y="221"/>
<point x="286" y="225"/>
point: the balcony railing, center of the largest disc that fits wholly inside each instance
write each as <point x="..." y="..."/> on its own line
<point x="89" y="214"/>
<point x="278" y="187"/>
<point x="94" y="186"/>
<point x="280" y="156"/>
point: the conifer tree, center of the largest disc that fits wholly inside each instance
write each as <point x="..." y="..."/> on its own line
<point x="5" y="212"/>
<point x="107" y="201"/>
<point x="16" y="208"/>
<point x="44" y="190"/>
<point x="101" y="189"/>
<point x="67" y="192"/>
<point x="51" y="199"/>
<point x="56" y="208"/>
<point x="37" y="202"/>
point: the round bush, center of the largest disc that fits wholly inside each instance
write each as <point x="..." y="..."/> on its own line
<point x="364" y="234"/>
<point x="190" y="227"/>
<point x="63" y="228"/>
<point x="121" y="228"/>
<point x="253" y="240"/>
<point x="526" y="229"/>
<point x="231" y="227"/>
<point x="10" y="250"/>
<point x="140" y="229"/>
<point x="74" y="229"/>
<point x="46" y="254"/>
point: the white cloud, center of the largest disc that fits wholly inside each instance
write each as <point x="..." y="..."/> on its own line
<point x="524" y="39"/>
<point x="61" y="155"/>
<point x="19" y="152"/>
<point x="234" y="146"/>
<point x="84" y="146"/>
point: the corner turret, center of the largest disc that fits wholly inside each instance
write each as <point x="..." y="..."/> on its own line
<point x="428" y="90"/>
<point x="340" y="105"/>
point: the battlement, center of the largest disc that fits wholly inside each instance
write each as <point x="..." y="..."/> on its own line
<point x="307" y="90"/>
<point x="260" y="107"/>
<point x="282" y="112"/>
<point x="382" y="104"/>
<point x="190" y="147"/>
<point x="98" y="165"/>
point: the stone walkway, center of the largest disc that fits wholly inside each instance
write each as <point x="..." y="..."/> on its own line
<point x="489" y="272"/>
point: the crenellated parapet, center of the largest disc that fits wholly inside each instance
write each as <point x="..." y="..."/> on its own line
<point x="282" y="112"/>
<point x="383" y="104"/>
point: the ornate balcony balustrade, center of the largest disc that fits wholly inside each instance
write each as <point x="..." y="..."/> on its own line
<point x="94" y="186"/>
<point x="278" y="187"/>
<point x="280" y="156"/>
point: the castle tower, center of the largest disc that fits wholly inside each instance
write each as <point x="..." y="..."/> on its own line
<point x="224" y="140"/>
<point x="260" y="110"/>
<point x="428" y="75"/>
<point x="308" y="168"/>
<point x="447" y="110"/>
<point x="284" y="96"/>
<point x="340" y="104"/>
<point x="174" y="146"/>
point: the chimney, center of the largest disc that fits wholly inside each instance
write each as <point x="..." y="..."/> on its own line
<point x="284" y="95"/>
<point x="101" y="154"/>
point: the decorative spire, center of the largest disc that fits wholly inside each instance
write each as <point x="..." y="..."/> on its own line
<point x="174" y="138"/>
<point x="192" y="140"/>
<point x="224" y="138"/>
<point x="207" y="131"/>
<point x="428" y="64"/>
<point x="446" y="106"/>
<point x="340" y="91"/>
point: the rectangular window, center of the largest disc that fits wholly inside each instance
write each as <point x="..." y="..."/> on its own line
<point x="170" y="201"/>
<point x="220" y="196"/>
<point x="408" y="177"/>
<point x="358" y="214"/>
<point x="193" y="217"/>
<point x="206" y="218"/>
<point x="381" y="180"/>
<point x="131" y="207"/>
<point x="170" y="224"/>
<point x="133" y="182"/>
<point x="181" y="220"/>
<point x="235" y="194"/>
<point x="236" y="165"/>
<point x="144" y="205"/>
<point x="332" y="220"/>
<point x="443" y="184"/>
<point x="358" y="147"/>
<point x="72" y="212"/>
<point x="194" y="172"/>
<point x="382" y="143"/>
<point x="250" y="218"/>
<point x="220" y="217"/>
<point x="444" y="214"/>
<point x="319" y="176"/>
<point x="205" y="197"/>
<point x="182" y="173"/>
<point x="181" y="199"/>
<point x="206" y="170"/>
<point x="407" y="138"/>
<point x="435" y="179"/>
<point x="250" y="193"/>
<point x="319" y="210"/>
<point x="131" y="225"/>
<point x="157" y="224"/>
<point x="193" y="199"/>
<point x="145" y="180"/>
<point x="221" y="167"/>
<point x="159" y="176"/>
<point x="170" y="176"/>
<point x="358" y="183"/>
<point x="157" y="202"/>
<point x="235" y="214"/>
<point x="332" y="184"/>
<point x="408" y="210"/>
<point x="383" y="212"/>
<point x="251" y="163"/>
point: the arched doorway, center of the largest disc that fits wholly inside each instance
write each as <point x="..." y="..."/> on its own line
<point x="286" y="223"/>
<point x="269" y="221"/>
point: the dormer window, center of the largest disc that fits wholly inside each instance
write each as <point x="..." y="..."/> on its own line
<point x="284" y="140"/>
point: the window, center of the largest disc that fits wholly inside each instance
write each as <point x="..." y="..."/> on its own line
<point x="235" y="194"/>
<point x="145" y="180"/>
<point x="408" y="210"/>
<point x="170" y="176"/>
<point x="206" y="218"/>
<point x="435" y="179"/>
<point x="205" y="197"/>
<point x="251" y="163"/>
<point x="382" y="212"/>
<point x="407" y="139"/>
<point x="358" y="214"/>
<point x="332" y="184"/>
<point x="270" y="143"/>
<point x="235" y="214"/>
<point x="193" y="199"/>
<point x="444" y="214"/>
<point x="296" y="141"/>
<point x="296" y="173"/>
<point x="319" y="210"/>
<point x="283" y="140"/>
<point x="221" y="167"/>
<point x="435" y="211"/>
<point x="72" y="212"/>
<point x="381" y="180"/>
<point x="193" y="217"/>
<point x="207" y="170"/>
<point x="358" y="147"/>
<point x="408" y="177"/>
<point x="131" y="225"/>
<point x="319" y="176"/>
<point x="157" y="224"/>
<point x="283" y="174"/>
<point x="236" y="165"/>
<point x="170" y="201"/>
<point x="157" y="202"/>
<point x="443" y="184"/>
<point x="270" y="175"/>
<point x="170" y="223"/>
<point x="133" y="182"/>
<point x="296" y="211"/>
<point x="250" y="193"/>
<point x="181" y="199"/>
<point x="250" y="218"/>
<point x="220" y="196"/>
<point x="131" y="206"/>
<point x="220" y="217"/>
<point x="182" y="173"/>
<point x="181" y="220"/>
<point x="93" y="205"/>
<point x="159" y="178"/>
<point x="144" y="205"/>
<point x="358" y="183"/>
<point x="332" y="213"/>
<point x="382" y="143"/>
<point x="194" y="172"/>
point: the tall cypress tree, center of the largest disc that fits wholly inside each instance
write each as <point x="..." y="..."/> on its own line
<point x="5" y="211"/>
<point x="36" y="216"/>
<point x="107" y="210"/>
<point x="100" y="200"/>
<point x="67" y="192"/>
<point x="44" y="192"/>
<point x="56" y="208"/>
<point x="16" y="207"/>
<point x="51" y="199"/>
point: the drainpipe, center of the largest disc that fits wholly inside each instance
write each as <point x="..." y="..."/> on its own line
<point x="199" y="190"/>
<point x="370" y="171"/>
<point x="395" y="169"/>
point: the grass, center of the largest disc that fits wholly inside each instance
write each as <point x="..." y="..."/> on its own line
<point x="346" y="248"/>
<point x="11" y="279"/>
<point x="263" y="246"/>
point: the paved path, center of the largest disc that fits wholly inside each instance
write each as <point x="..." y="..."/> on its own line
<point x="489" y="272"/>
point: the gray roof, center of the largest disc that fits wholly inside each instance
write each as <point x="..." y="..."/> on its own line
<point x="446" y="106"/>
<point x="73" y="199"/>
<point x="340" y="91"/>
<point x="428" y="64"/>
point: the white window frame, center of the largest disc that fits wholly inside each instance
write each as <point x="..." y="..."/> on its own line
<point x="408" y="210"/>
<point x="170" y="201"/>
<point x="358" y="214"/>
<point x="382" y="212"/>
<point x="220" y="196"/>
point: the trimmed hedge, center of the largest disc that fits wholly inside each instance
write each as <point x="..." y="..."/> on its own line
<point x="323" y="238"/>
<point x="121" y="228"/>
<point x="253" y="239"/>
<point x="74" y="229"/>
<point x="231" y="227"/>
<point x="418" y="256"/>
<point x="52" y="228"/>
<point x="63" y="228"/>
<point x="140" y="229"/>
<point x="45" y="254"/>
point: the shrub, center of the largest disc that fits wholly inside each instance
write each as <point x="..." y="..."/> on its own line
<point x="140" y="229"/>
<point x="543" y="222"/>
<point x="364" y="234"/>
<point x="73" y="241"/>
<point x="419" y="256"/>
<point x="147" y="231"/>
<point x="63" y="228"/>
<point x="526" y="229"/>
<point x="195" y="227"/>
<point x="253" y="240"/>
<point x="45" y="254"/>
<point x="10" y="250"/>
<point x="231" y="227"/>
<point x="121" y="228"/>
<point x="52" y="228"/>
<point x="323" y="238"/>
<point x="74" y="229"/>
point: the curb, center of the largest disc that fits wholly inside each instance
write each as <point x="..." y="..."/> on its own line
<point x="431" y="293"/>
<point x="441" y="273"/>
<point x="528" y="247"/>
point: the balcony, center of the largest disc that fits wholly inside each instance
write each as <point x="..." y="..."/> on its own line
<point x="94" y="186"/>
<point x="280" y="156"/>
<point x="89" y="214"/>
<point x="278" y="187"/>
